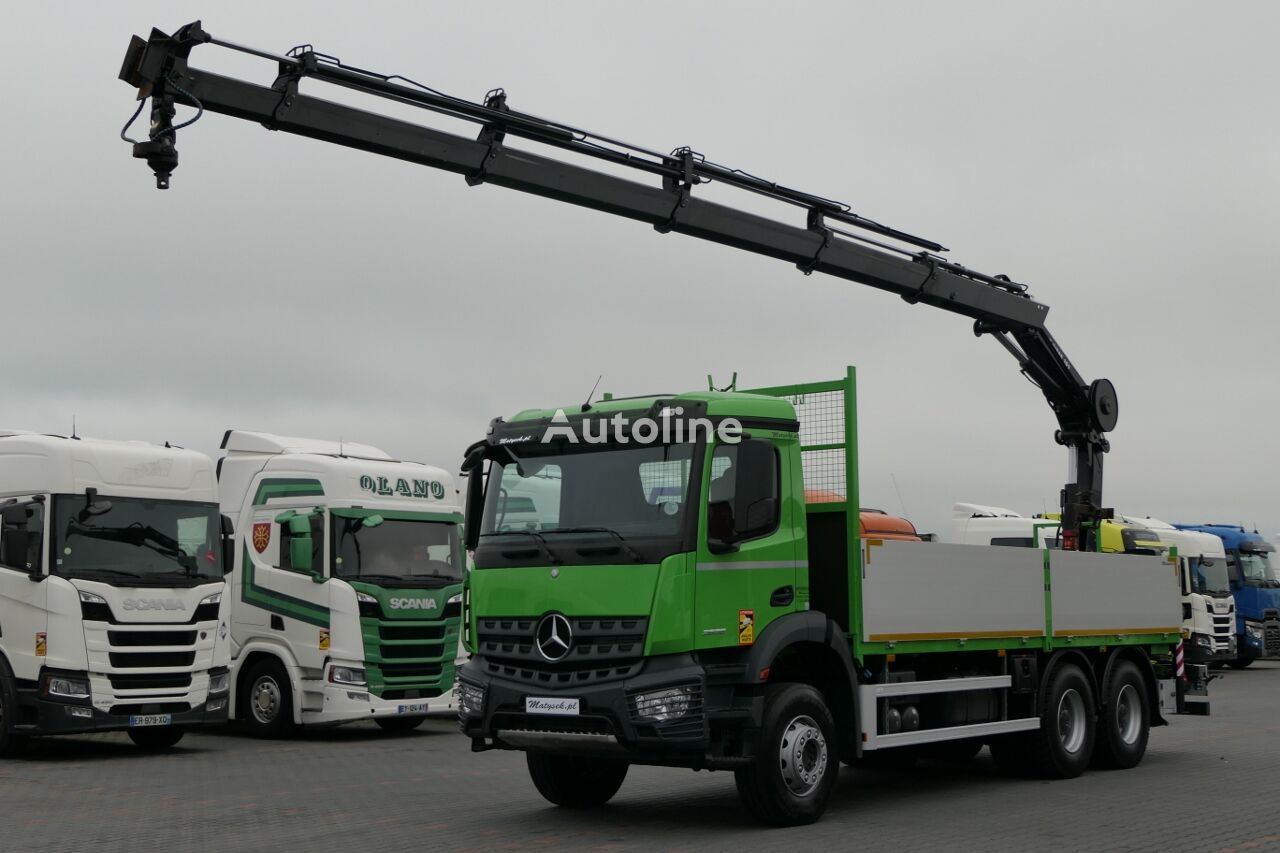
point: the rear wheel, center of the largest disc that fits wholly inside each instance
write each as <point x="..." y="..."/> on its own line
<point x="158" y="738"/>
<point x="576" y="781"/>
<point x="1063" y="745"/>
<point x="399" y="724"/>
<point x="796" y="763"/>
<point x="1125" y="721"/>
<point x="11" y="745"/>
<point x="267" y="700"/>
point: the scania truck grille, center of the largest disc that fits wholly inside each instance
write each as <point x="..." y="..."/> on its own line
<point x="600" y="649"/>
<point x="150" y="665"/>
<point x="410" y="659"/>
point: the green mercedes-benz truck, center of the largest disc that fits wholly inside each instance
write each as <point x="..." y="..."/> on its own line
<point x="669" y="598"/>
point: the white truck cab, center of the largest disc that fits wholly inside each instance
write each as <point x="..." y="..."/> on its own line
<point x="979" y="524"/>
<point x="346" y="583"/>
<point x="112" y="607"/>
<point x="1208" y="609"/>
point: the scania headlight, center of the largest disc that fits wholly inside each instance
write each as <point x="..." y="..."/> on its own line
<point x="91" y="598"/>
<point x="348" y="676"/>
<point x="1203" y="640"/>
<point x="219" y="682"/>
<point x="67" y="687"/>
<point x="215" y="599"/>
<point x="455" y="599"/>
<point x="368" y="605"/>
<point x="470" y="699"/>
<point x="664" y="705"/>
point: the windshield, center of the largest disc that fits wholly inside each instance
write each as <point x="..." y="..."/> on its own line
<point x="123" y="540"/>
<point x="1209" y="576"/>
<point x="1256" y="567"/>
<point x="630" y="498"/>
<point x="402" y="552"/>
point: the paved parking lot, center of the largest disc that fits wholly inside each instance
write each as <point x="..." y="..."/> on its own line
<point x="1206" y="785"/>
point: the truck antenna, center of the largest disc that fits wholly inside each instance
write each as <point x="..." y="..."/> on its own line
<point x="905" y="514"/>
<point x="73" y="426"/>
<point x="340" y="453"/>
<point x="586" y="407"/>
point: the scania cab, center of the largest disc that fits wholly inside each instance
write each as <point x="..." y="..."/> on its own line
<point x="1255" y="586"/>
<point x="346" y="583"/>
<point x="112" y="606"/>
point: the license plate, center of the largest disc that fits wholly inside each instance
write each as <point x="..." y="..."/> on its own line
<point x="558" y="707"/>
<point x="141" y="720"/>
<point x="416" y="708"/>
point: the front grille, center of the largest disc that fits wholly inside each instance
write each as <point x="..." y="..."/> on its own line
<point x="417" y="650"/>
<point x="390" y="631"/>
<point x="1272" y="637"/>
<point x="597" y="642"/>
<point x="411" y="670"/>
<point x="515" y="721"/>
<point x="152" y="708"/>
<point x="91" y="612"/>
<point x="150" y="681"/>
<point x="426" y="693"/>
<point x="158" y="659"/>
<point x="151" y="638"/>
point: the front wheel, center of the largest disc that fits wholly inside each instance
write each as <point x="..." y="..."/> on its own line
<point x="267" y="700"/>
<point x="796" y="764"/>
<point x="11" y="745"/>
<point x="1125" y="721"/>
<point x="399" y="724"/>
<point x="155" y="739"/>
<point x="576" y="781"/>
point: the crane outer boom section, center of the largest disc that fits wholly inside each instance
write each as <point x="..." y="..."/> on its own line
<point x="159" y="68"/>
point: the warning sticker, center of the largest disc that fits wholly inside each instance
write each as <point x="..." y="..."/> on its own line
<point x="324" y="639"/>
<point x="42" y="644"/>
<point x="746" y="627"/>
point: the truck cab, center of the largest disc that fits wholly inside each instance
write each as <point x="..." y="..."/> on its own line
<point x="1255" y="587"/>
<point x="346" y="583"/>
<point x="1208" y="609"/>
<point x="112" y="597"/>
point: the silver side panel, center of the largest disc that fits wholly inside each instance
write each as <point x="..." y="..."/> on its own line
<point x="1095" y="594"/>
<point x="869" y="712"/>
<point x="930" y="590"/>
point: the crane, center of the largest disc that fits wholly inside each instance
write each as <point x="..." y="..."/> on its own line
<point x="834" y="240"/>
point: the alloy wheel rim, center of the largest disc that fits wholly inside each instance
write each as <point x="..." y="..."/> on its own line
<point x="265" y="700"/>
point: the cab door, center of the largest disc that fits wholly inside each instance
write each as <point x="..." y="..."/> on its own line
<point x="289" y="557"/>
<point x="746" y="569"/>
<point x="24" y="613"/>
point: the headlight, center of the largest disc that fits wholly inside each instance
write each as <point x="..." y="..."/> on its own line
<point x="455" y="599"/>
<point x="368" y="605"/>
<point x="1254" y="631"/>
<point x="219" y="682"/>
<point x="1202" y="640"/>
<point x="91" y="598"/>
<point x="365" y="598"/>
<point x="216" y="598"/>
<point x="470" y="699"/>
<point x="661" y="706"/>
<point x="347" y="675"/>
<point x="66" y="687"/>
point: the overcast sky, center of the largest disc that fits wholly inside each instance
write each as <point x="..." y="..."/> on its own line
<point x="1122" y="159"/>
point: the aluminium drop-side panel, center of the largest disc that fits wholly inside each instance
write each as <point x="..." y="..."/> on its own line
<point x="930" y="590"/>
<point x="1101" y="594"/>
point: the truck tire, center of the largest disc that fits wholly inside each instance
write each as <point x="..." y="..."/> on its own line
<point x="576" y="781"/>
<point x="156" y="739"/>
<point x="399" y="724"/>
<point x="1063" y="745"/>
<point x="11" y="745"/>
<point x="796" y="764"/>
<point x="1241" y="662"/>
<point x="267" y="700"/>
<point x="1125" y="721"/>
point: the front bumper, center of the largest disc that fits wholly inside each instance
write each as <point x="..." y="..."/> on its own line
<point x="55" y="718"/>
<point x="607" y="722"/>
<point x="1213" y="653"/>
<point x="344" y="704"/>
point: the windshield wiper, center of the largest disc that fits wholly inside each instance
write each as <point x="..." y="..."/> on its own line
<point x="119" y="572"/>
<point x="537" y="537"/>
<point x="635" y="555"/>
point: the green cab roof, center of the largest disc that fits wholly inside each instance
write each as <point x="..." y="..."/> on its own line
<point x="736" y="404"/>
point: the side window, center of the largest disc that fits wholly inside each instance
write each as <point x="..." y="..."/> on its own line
<point x="316" y="533"/>
<point x="743" y="495"/>
<point x="21" y="537"/>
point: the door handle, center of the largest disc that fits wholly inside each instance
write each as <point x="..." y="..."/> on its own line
<point x="782" y="596"/>
<point x="277" y="624"/>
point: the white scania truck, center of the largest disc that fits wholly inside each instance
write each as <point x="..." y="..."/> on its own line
<point x="112" y="612"/>
<point x="346" y="583"/>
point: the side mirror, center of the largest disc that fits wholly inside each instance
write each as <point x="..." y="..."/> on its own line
<point x="370" y="521"/>
<point x="475" y="500"/>
<point x="228" y="544"/>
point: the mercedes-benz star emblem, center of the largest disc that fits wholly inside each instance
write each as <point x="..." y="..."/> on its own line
<point x="553" y="637"/>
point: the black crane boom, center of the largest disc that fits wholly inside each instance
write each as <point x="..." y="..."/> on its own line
<point x="834" y="240"/>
